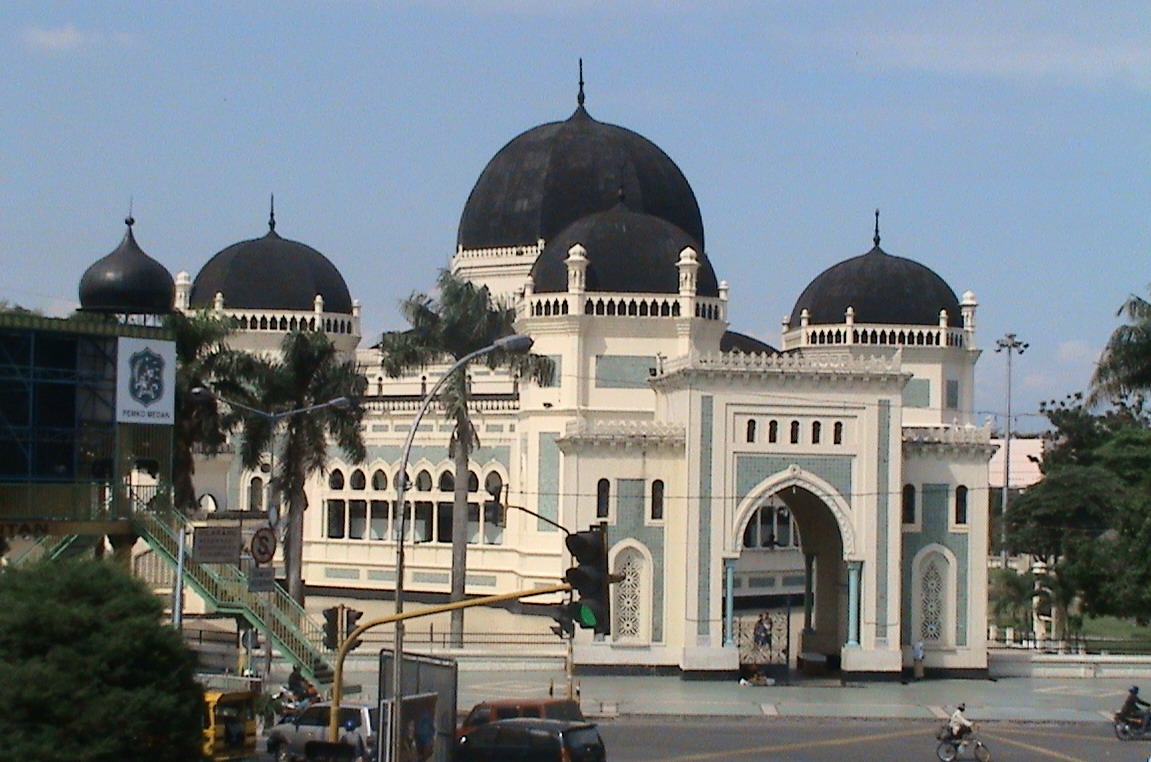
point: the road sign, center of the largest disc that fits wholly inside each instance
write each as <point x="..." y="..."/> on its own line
<point x="263" y="545"/>
<point x="216" y="544"/>
<point x="262" y="579"/>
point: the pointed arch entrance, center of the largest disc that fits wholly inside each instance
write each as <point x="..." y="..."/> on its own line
<point x="793" y="540"/>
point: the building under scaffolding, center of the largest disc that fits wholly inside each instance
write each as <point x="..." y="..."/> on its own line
<point x="86" y="420"/>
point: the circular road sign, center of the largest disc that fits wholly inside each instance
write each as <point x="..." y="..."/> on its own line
<point x="263" y="545"/>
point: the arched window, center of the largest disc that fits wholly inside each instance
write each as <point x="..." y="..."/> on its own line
<point x="751" y="430"/>
<point x="494" y="485"/>
<point x="908" y="512"/>
<point x="357" y="480"/>
<point x="816" y="431"/>
<point x="773" y="432"/>
<point x="423" y="482"/>
<point x="628" y="604"/>
<point x="657" y="500"/>
<point x="256" y="494"/>
<point x="473" y="482"/>
<point x="602" y="498"/>
<point x="336" y="479"/>
<point x="447" y="482"/>
<point x="961" y="504"/>
<point x="837" y="433"/>
<point x="795" y="432"/>
<point x="379" y="480"/>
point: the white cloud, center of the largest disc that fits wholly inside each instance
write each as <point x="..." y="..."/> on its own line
<point x="69" y="38"/>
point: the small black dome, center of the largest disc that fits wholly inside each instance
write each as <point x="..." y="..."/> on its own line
<point x="552" y="175"/>
<point x="627" y="252"/>
<point x="127" y="282"/>
<point x="741" y="342"/>
<point x="882" y="289"/>
<point x="271" y="273"/>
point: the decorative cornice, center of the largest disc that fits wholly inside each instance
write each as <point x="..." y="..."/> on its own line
<point x="644" y="434"/>
<point x="974" y="440"/>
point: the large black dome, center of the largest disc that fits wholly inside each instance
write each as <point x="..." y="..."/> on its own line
<point x="627" y="252"/>
<point x="882" y="289"/>
<point x="128" y="282"/>
<point x="271" y="273"/>
<point x="552" y="175"/>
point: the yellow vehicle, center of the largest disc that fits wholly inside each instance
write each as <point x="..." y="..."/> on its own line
<point x="229" y="725"/>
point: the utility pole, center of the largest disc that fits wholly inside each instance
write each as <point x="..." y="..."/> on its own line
<point x="1009" y="344"/>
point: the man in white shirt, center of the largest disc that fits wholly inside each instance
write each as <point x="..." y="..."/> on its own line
<point x="960" y="726"/>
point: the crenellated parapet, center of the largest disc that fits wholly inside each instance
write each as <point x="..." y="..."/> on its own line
<point x="795" y="365"/>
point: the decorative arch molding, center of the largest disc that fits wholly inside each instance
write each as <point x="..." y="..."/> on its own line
<point x="632" y="598"/>
<point x="935" y="559"/>
<point x="794" y="476"/>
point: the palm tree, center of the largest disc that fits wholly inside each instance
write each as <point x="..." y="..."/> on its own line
<point x="308" y="374"/>
<point x="203" y="359"/>
<point x="1125" y="365"/>
<point x="464" y="319"/>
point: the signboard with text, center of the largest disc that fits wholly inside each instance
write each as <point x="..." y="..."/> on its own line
<point x="216" y="544"/>
<point x="145" y="381"/>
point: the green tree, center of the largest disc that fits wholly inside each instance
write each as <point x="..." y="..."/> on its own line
<point x="1070" y="503"/>
<point x="203" y="359"/>
<point x="463" y="319"/>
<point x="90" y="672"/>
<point x="1124" y="368"/>
<point x="1010" y="598"/>
<point x="308" y="373"/>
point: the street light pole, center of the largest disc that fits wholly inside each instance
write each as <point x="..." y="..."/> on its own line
<point x="1009" y="344"/>
<point x="513" y="343"/>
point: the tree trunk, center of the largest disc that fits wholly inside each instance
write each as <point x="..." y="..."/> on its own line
<point x="460" y="536"/>
<point x="294" y="543"/>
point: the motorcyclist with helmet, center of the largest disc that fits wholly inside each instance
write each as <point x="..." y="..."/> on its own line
<point x="1133" y="708"/>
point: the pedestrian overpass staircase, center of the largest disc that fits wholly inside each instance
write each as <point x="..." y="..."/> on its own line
<point x="224" y="587"/>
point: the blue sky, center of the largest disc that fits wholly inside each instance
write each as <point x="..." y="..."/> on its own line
<point x="1006" y="143"/>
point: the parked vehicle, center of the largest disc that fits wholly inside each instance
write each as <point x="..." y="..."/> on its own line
<point x="531" y="740"/>
<point x="229" y="725"/>
<point x="505" y="709"/>
<point x="287" y="740"/>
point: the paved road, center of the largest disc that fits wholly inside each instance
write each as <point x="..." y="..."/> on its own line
<point x="793" y="740"/>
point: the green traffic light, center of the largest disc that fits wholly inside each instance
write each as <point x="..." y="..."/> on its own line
<point x="585" y="616"/>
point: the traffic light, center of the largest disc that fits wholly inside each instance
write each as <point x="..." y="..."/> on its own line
<point x="351" y="616"/>
<point x="565" y="622"/>
<point x="332" y="632"/>
<point x="589" y="577"/>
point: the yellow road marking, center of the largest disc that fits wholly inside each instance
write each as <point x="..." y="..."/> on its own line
<point x="734" y="753"/>
<point x="1032" y="747"/>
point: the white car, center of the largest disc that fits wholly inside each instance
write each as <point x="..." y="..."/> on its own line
<point x="286" y="741"/>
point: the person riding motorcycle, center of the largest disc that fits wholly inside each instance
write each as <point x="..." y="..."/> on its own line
<point x="1133" y="708"/>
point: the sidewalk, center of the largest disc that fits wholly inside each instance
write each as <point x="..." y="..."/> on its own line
<point x="1014" y="699"/>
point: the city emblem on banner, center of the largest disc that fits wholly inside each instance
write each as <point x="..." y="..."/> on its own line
<point x="146" y="382"/>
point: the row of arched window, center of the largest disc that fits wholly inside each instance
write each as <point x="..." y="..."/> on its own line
<point x="796" y="433"/>
<point x="356" y="506"/>
<point x="655" y="500"/>
<point x="910" y="510"/>
<point x="282" y="323"/>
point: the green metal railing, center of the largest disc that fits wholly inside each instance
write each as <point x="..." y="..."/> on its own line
<point x="281" y="620"/>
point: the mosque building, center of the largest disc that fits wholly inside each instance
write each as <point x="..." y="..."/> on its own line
<point x="842" y="471"/>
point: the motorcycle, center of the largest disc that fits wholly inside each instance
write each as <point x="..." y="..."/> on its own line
<point x="1129" y="728"/>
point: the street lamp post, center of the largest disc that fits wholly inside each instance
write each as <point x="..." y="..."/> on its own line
<point x="1011" y="345"/>
<point x="513" y="343"/>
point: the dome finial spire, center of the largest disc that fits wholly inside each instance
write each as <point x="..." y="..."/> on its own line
<point x="129" y="220"/>
<point x="580" y="97"/>
<point x="272" y="215"/>
<point x="876" y="238"/>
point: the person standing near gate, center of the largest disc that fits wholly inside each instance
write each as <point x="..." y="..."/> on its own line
<point x="917" y="659"/>
<point x="761" y="635"/>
